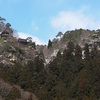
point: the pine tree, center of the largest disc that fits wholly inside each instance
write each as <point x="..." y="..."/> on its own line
<point x="86" y="51"/>
<point x="78" y="52"/>
<point x="59" y="54"/>
<point x="49" y="44"/>
<point x="68" y="53"/>
<point x="70" y="46"/>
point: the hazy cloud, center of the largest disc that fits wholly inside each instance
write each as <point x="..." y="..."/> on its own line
<point x="35" y="39"/>
<point x="68" y="20"/>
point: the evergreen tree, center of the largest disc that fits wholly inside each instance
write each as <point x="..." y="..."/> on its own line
<point x="49" y="44"/>
<point x="70" y="46"/>
<point x="59" y="54"/>
<point x="78" y="52"/>
<point x="86" y="51"/>
<point x="38" y="64"/>
<point x="94" y="53"/>
<point x="68" y="53"/>
<point x="13" y="73"/>
<point x="8" y="25"/>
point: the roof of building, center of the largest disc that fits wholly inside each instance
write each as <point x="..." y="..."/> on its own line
<point x="4" y="32"/>
<point x="22" y="40"/>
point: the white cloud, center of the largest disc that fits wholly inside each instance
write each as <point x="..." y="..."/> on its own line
<point x="69" y="20"/>
<point x="35" y="39"/>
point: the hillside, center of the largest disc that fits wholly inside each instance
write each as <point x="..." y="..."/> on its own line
<point x="79" y="36"/>
<point x="68" y="68"/>
<point x="8" y="92"/>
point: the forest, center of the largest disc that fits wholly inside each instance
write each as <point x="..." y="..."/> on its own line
<point x="67" y="77"/>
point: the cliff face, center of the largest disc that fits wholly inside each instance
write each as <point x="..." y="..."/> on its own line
<point x="80" y="37"/>
<point x="14" y="50"/>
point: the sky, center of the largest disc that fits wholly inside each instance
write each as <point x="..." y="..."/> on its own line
<point x="43" y="19"/>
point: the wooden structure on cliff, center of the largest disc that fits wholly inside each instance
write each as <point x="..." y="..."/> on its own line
<point x="4" y="35"/>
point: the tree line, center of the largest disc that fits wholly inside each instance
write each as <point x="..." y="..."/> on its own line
<point x="67" y="77"/>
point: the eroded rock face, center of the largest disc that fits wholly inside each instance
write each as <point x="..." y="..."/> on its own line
<point x="21" y="52"/>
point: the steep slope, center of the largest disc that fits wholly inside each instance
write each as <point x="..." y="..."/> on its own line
<point x="18" y="93"/>
<point x="79" y="36"/>
<point x="67" y="69"/>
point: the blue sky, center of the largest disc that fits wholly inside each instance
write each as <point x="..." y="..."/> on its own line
<point x="43" y="19"/>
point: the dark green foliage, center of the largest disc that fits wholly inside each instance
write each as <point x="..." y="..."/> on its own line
<point x="32" y="44"/>
<point x="32" y="75"/>
<point x="67" y="77"/>
<point x="21" y="51"/>
<point x="25" y="80"/>
<point x="59" y="54"/>
<point x="73" y="36"/>
<point x="13" y="49"/>
<point x="78" y="52"/>
<point x="49" y="44"/>
<point x="86" y="51"/>
<point x="94" y="53"/>
<point x="13" y="73"/>
<point x="68" y="53"/>
<point x="8" y="25"/>
<point x="70" y="46"/>
<point x="38" y="64"/>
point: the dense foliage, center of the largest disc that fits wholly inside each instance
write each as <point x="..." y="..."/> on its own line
<point x="73" y="35"/>
<point x="49" y="44"/>
<point x="67" y="77"/>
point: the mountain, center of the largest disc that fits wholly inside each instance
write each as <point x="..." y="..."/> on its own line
<point x="79" y="36"/>
<point x="68" y="68"/>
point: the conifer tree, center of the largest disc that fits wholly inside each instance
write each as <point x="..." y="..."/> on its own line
<point x="49" y="44"/>
<point x="59" y="54"/>
<point x="70" y="46"/>
<point x="86" y="51"/>
<point x="78" y="52"/>
<point x="68" y="53"/>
